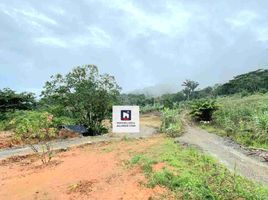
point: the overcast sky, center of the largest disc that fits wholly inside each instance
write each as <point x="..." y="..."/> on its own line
<point x="142" y="43"/>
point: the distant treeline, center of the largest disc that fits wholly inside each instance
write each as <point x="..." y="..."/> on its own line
<point x="244" y="84"/>
<point x="252" y="82"/>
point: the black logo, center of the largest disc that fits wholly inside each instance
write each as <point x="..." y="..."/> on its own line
<point x="125" y="115"/>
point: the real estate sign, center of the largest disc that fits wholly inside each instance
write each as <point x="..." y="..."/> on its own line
<point x="126" y="119"/>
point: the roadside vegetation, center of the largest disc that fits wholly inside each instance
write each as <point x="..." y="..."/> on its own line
<point x="244" y="119"/>
<point x="172" y="124"/>
<point x="36" y="127"/>
<point x="189" y="174"/>
<point x="83" y="96"/>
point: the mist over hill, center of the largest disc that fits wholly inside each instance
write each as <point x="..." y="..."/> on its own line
<point x="158" y="90"/>
<point x="251" y="82"/>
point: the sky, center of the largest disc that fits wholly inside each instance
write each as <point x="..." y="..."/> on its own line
<point x="144" y="44"/>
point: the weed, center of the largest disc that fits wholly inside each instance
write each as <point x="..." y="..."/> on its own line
<point x="171" y="122"/>
<point x="243" y="119"/>
<point x="194" y="175"/>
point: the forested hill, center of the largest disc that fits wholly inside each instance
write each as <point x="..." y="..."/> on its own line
<point x="251" y="82"/>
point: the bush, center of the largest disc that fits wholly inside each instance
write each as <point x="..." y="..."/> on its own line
<point x="2" y="125"/>
<point x="171" y="122"/>
<point x="151" y="108"/>
<point x="36" y="127"/>
<point x="202" y="110"/>
<point x="59" y="121"/>
<point x="244" y="119"/>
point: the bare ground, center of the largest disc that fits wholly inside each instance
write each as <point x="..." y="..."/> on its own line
<point x="228" y="154"/>
<point x="95" y="171"/>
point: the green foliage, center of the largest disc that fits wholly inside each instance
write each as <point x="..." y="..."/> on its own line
<point x="36" y="127"/>
<point x="192" y="175"/>
<point x="189" y="87"/>
<point x="251" y="82"/>
<point x="83" y="94"/>
<point x="167" y="100"/>
<point x="135" y="99"/>
<point x="2" y="125"/>
<point x="244" y="119"/>
<point x="11" y="101"/>
<point x="171" y="122"/>
<point x="202" y="110"/>
<point x="151" y="108"/>
<point x="58" y="121"/>
<point x="261" y="121"/>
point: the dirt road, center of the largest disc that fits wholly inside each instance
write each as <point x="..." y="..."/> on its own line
<point x="223" y="151"/>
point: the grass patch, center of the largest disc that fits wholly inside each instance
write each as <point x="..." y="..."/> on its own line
<point x="193" y="175"/>
<point x="245" y="120"/>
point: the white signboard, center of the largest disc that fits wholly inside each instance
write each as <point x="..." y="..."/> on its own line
<point x="126" y="119"/>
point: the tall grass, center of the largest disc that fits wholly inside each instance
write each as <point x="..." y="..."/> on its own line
<point x="172" y="122"/>
<point x="244" y="119"/>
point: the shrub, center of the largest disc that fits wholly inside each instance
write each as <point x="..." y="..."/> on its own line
<point x="36" y="127"/>
<point x="202" y="110"/>
<point x="2" y="125"/>
<point x="171" y="122"/>
<point x="244" y="119"/>
<point x="59" y="121"/>
<point x="151" y="108"/>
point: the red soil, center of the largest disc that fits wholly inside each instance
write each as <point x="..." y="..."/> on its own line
<point x="92" y="172"/>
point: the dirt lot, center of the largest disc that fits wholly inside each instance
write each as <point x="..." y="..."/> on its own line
<point x="96" y="171"/>
<point x="92" y="172"/>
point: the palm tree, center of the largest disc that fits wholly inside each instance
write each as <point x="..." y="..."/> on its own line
<point x="190" y="86"/>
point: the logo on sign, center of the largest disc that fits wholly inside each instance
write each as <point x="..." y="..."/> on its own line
<point x="126" y="119"/>
<point x="126" y="115"/>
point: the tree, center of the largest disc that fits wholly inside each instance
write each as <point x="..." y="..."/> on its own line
<point x="189" y="87"/>
<point x="11" y="101"/>
<point x="84" y="94"/>
<point x="251" y="82"/>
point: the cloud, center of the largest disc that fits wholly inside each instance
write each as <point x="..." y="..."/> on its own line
<point x="51" y="41"/>
<point x="28" y="14"/>
<point x="262" y="34"/>
<point x="93" y="36"/>
<point x="139" y="42"/>
<point x="243" y="18"/>
<point x="171" y="22"/>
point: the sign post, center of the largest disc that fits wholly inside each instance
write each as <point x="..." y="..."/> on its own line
<point x="126" y="119"/>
